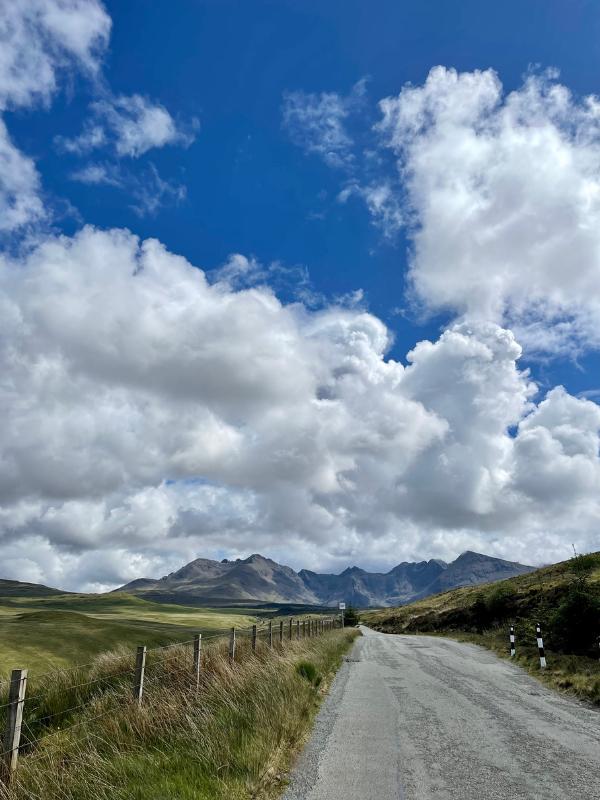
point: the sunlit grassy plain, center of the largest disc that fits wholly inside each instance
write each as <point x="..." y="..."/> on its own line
<point x="531" y="598"/>
<point x="39" y="633"/>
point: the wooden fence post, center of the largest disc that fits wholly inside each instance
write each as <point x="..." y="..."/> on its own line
<point x="291" y="623"/>
<point x="271" y="633"/>
<point x="140" y="668"/>
<point x="297" y="629"/>
<point x="14" y="720"/>
<point x="281" y="632"/>
<point x="197" y="651"/>
<point x="232" y="646"/>
<point x="254" y="638"/>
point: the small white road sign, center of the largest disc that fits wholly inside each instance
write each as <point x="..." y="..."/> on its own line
<point x="342" y="606"/>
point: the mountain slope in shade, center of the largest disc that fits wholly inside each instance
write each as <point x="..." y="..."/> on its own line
<point x="470" y="569"/>
<point x="261" y="579"/>
<point x="362" y="589"/>
<point x="203" y="580"/>
<point x="20" y="589"/>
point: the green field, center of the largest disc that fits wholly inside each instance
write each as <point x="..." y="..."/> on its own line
<point x="482" y="615"/>
<point x="39" y="633"/>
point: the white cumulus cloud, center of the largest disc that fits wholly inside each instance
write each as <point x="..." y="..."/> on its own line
<point x="38" y="38"/>
<point x="20" y="201"/>
<point x="156" y="415"/>
<point x="503" y="190"/>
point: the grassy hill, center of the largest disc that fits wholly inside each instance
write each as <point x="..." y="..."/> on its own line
<point x="60" y="630"/>
<point x="564" y="598"/>
<point x="21" y="589"/>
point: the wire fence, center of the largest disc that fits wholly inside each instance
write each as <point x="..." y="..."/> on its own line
<point x="28" y="721"/>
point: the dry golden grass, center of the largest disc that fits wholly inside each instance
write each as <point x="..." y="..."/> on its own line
<point x="232" y="739"/>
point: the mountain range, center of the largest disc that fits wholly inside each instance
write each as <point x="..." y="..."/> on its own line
<point x="260" y="579"/>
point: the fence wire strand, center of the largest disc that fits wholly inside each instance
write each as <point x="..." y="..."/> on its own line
<point x="149" y="678"/>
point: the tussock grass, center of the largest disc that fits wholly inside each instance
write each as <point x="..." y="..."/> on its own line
<point x="231" y="740"/>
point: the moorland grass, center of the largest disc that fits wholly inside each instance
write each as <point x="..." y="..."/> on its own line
<point x="39" y="633"/>
<point x="232" y="740"/>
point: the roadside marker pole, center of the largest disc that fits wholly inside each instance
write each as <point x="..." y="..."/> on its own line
<point x="512" y="641"/>
<point x="281" y="632"/>
<point x="14" y="720"/>
<point x="254" y="638"/>
<point x="540" y="644"/>
<point x="291" y="623"/>
<point x="197" y="646"/>
<point x="298" y="629"/>
<point x="270" y="633"/>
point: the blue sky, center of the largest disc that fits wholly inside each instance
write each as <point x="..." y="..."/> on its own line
<point x="312" y="152"/>
<point x="249" y="188"/>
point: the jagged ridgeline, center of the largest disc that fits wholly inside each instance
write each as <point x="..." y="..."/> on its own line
<point x="259" y="579"/>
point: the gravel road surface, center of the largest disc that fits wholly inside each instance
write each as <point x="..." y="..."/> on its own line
<point x="419" y="717"/>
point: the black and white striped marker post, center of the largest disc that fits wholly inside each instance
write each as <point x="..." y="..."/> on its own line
<point x="512" y="641"/>
<point x="540" y="644"/>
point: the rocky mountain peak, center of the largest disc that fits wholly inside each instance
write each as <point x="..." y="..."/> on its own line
<point x="260" y="579"/>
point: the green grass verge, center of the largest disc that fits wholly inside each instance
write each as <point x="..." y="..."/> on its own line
<point x="233" y="740"/>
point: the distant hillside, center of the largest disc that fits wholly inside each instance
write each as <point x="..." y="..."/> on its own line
<point x="263" y="580"/>
<point x="526" y="596"/>
<point x="563" y="598"/>
<point x="20" y="589"/>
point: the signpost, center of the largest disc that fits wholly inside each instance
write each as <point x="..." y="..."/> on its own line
<point x="342" y="607"/>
